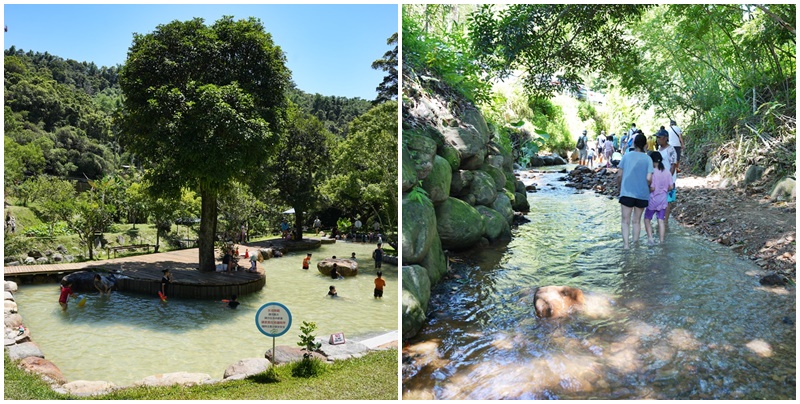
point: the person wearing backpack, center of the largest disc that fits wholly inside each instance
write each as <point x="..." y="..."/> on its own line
<point x="582" y="149"/>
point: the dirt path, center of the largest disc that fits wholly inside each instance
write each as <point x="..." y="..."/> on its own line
<point x="749" y="223"/>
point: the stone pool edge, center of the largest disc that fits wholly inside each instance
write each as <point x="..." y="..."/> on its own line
<point x="22" y="348"/>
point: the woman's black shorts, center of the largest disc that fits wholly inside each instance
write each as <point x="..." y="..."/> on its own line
<point x="633" y="202"/>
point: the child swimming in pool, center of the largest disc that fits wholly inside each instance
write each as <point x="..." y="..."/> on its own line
<point x="66" y="291"/>
<point x="332" y="291"/>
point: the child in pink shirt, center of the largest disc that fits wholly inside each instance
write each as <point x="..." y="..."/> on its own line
<point x="657" y="205"/>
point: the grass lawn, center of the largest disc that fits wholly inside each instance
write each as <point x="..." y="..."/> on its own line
<point x="373" y="376"/>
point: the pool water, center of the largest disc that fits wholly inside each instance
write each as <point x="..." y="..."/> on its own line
<point x="127" y="337"/>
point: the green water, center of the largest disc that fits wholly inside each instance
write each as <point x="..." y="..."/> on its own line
<point x="127" y="337"/>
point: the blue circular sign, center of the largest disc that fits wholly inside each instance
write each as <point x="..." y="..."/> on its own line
<point x="273" y="319"/>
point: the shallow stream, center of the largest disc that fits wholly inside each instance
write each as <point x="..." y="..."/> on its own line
<point x="126" y="337"/>
<point x="683" y="320"/>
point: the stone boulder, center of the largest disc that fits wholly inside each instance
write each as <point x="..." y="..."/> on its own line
<point x="42" y="260"/>
<point x="483" y="188"/>
<point x="35" y="254"/>
<point x="435" y="261"/>
<point x="521" y="203"/>
<point x="460" y="182"/>
<point x="437" y="184"/>
<point x="494" y="223"/>
<point x="753" y="174"/>
<point x="83" y="388"/>
<point x="784" y="190"/>
<point x="557" y="301"/>
<point x="247" y="367"/>
<point x="469" y="143"/>
<point x="288" y="354"/>
<point x="459" y="225"/>
<point x="24" y="350"/>
<point x="29" y="261"/>
<point x="57" y="257"/>
<point x="44" y="368"/>
<point x="416" y="293"/>
<point x="497" y="175"/>
<point x="12" y="320"/>
<point x="409" y="173"/>
<point x="519" y="187"/>
<point x="345" y="267"/>
<point x="83" y="281"/>
<point x="422" y="150"/>
<point x="9" y="306"/>
<point x="10" y="286"/>
<point x="502" y="204"/>
<point x="8" y="296"/>
<point x="472" y="116"/>
<point x="419" y="233"/>
<point x="185" y="379"/>
<point x="452" y="156"/>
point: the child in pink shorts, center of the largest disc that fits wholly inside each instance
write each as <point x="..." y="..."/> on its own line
<point x="657" y="205"/>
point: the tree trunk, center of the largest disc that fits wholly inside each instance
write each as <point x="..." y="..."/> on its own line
<point x="298" y="222"/>
<point x="205" y="237"/>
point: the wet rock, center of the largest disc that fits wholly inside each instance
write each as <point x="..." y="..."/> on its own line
<point x="83" y="388"/>
<point x="345" y="267"/>
<point x="420" y="233"/>
<point x="247" y="367"/>
<point x="44" y="368"/>
<point x="9" y="306"/>
<point x="773" y="280"/>
<point x="8" y="296"/>
<point x="178" y="378"/>
<point x="416" y="294"/>
<point x="24" y="350"/>
<point x="557" y="301"/>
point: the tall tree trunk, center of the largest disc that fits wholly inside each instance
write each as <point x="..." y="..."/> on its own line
<point x="205" y="237"/>
<point x="298" y="222"/>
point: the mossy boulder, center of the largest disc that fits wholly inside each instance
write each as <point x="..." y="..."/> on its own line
<point x="521" y="203"/>
<point x="460" y="182"/>
<point x="437" y="184"/>
<point x="497" y="175"/>
<point x="502" y="205"/>
<point x="471" y="116"/>
<point x="460" y="226"/>
<point x="422" y="150"/>
<point x="483" y="187"/>
<point x="435" y="262"/>
<point x="470" y="145"/>
<point x="416" y="293"/>
<point x="519" y="187"/>
<point x="409" y="171"/>
<point x="418" y="233"/>
<point x="452" y="156"/>
<point x="495" y="224"/>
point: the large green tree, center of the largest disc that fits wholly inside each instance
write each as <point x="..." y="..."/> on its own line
<point x="204" y="104"/>
<point x="302" y="163"/>
<point x="364" y="178"/>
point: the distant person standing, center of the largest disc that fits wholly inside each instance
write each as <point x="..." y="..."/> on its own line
<point x="675" y="139"/>
<point x="379" y="285"/>
<point x="317" y="225"/>
<point x="254" y="262"/>
<point x="601" y="146"/>
<point x="615" y="141"/>
<point x="582" y="146"/>
<point x="633" y="178"/>
<point x="165" y="280"/>
<point x="609" y="150"/>
<point x="670" y="159"/>
<point x="632" y="132"/>
<point x="377" y="255"/>
<point x="623" y="143"/>
<point x="307" y="261"/>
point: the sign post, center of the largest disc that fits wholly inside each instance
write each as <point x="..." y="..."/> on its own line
<point x="273" y="320"/>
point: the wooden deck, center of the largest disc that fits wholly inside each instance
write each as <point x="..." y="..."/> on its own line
<point x="142" y="274"/>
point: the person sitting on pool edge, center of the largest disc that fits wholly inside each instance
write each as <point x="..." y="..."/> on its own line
<point x="101" y="285"/>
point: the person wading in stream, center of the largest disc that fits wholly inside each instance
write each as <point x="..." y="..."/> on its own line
<point x="670" y="159"/>
<point x="633" y="178"/>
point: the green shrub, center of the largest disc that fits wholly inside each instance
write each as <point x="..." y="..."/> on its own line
<point x="308" y="367"/>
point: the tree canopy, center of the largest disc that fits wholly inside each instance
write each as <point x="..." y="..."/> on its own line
<point x="387" y="89"/>
<point x="203" y="104"/>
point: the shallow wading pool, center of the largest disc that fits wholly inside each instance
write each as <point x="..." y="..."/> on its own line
<point x="127" y="337"/>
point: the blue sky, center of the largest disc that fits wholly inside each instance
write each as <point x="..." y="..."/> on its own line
<point x="329" y="48"/>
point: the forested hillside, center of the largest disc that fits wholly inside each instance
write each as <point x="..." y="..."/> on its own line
<point x="60" y="116"/>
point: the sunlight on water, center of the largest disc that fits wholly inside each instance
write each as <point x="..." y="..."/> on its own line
<point x="682" y="320"/>
<point x="127" y="337"/>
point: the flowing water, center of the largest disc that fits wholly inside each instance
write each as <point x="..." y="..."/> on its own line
<point x="687" y="319"/>
<point x="127" y="337"/>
